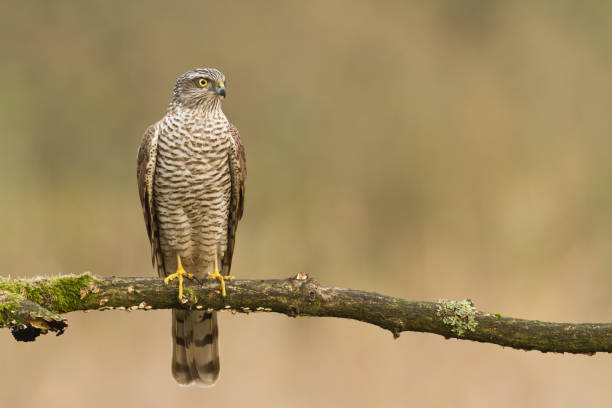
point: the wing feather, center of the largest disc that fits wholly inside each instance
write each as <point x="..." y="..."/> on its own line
<point x="145" y="171"/>
<point x="237" y="162"/>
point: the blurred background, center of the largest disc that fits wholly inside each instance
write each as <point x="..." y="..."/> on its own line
<point x="424" y="150"/>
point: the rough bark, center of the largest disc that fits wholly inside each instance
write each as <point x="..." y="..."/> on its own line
<point x="30" y="307"/>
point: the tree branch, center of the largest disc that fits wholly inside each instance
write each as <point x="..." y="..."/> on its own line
<point x="31" y="306"/>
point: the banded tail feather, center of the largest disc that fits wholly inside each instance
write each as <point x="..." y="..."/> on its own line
<point x="195" y="347"/>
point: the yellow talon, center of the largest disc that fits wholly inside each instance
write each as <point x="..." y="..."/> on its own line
<point x="216" y="275"/>
<point x="180" y="272"/>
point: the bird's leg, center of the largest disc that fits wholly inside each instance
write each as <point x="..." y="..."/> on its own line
<point x="180" y="272"/>
<point x="216" y="275"/>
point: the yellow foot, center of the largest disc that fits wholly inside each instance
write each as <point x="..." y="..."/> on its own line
<point x="180" y="273"/>
<point x="216" y="275"/>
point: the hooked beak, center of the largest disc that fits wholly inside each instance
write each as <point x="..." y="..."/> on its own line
<point x="221" y="89"/>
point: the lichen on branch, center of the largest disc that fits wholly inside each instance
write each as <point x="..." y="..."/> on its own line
<point x="460" y="315"/>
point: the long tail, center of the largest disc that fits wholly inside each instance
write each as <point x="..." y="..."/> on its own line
<point x="195" y="347"/>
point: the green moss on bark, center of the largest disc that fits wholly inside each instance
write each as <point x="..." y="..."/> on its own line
<point x="9" y="303"/>
<point x="61" y="294"/>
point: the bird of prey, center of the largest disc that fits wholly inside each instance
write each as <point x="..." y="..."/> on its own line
<point x="191" y="180"/>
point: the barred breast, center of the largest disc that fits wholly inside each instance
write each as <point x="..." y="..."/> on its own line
<point x="192" y="189"/>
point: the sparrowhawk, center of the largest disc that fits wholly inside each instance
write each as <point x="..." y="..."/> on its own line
<point x="191" y="180"/>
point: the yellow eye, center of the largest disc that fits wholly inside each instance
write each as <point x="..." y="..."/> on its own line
<point x="203" y="82"/>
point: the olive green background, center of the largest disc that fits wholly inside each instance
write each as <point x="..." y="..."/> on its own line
<point x="442" y="149"/>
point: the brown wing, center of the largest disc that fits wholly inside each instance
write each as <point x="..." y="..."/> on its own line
<point x="237" y="162"/>
<point x="145" y="172"/>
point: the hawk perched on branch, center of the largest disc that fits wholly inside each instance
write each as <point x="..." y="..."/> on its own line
<point x="191" y="174"/>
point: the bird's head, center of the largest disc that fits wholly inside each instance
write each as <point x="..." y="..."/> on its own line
<point x="200" y="87"/>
